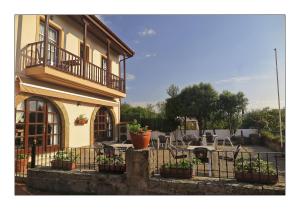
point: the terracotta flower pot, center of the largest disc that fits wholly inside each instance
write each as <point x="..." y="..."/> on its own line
<point x="81" y="121"/>
<point x="141" y="140"/>
<point x="115" y="169"/>
<point x="21" y="166"/>
<point x="256" y="178"/>
<point x="63" y="164"/>
<point x="180" y="173"/>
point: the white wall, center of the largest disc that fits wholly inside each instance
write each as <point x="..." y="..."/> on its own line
<point x="79" y="135"/>
<point x="221" y="133"/>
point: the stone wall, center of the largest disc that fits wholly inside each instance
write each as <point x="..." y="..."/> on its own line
<point x="138" y="181"/>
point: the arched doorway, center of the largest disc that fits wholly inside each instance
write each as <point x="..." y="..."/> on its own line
<point x="37" y="119"/>
<point x="103" y="125"/>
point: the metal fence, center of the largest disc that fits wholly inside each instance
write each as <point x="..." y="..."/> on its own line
<point x="265" y="167"/>
<point x="81" y="159"/>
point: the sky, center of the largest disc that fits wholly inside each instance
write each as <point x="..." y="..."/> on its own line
<point x="231" y="52"/>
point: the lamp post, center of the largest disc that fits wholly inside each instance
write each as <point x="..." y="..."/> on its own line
<point x="279" y="111"/>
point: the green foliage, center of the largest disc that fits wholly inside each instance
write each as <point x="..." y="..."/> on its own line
<point x="232" y="106"/>
<point x="269" y="135"/>
<point x="255" y="166"/>
<point x="66" y="156"/>
<point x="115" y="160"/>
<point x="21" y="156"/>
<point x="184" y="164"/>
<point x="136" y="128"/>
<point x="266" y="120"/>
<point x="173" y="90"/>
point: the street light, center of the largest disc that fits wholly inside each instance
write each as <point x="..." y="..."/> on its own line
<point x="279" y="111"/>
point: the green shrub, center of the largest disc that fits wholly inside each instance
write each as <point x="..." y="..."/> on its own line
<point x="21" y="156"/>
<point x="255" y="166"/>
<point x="270" y="136"/>
<point x="136" y="128"/>
<point x="66" y="156"/>
<point x="115" y="160"/>
<point x="184" y="164"/>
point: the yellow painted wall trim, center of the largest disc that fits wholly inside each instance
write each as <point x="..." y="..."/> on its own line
<point x="29" y="88"/>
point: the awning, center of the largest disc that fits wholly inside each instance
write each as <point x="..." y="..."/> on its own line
<point x="28" y="85"/>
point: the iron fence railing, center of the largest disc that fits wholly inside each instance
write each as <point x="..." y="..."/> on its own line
<point x="80" y="159"/>
<point x="248" y="166"/>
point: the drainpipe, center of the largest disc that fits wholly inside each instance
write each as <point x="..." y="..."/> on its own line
<point x="124" y="69"/>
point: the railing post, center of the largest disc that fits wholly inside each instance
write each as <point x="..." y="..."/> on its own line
<point x="108" y="67"/>
<point x="84" y="47"/>
<point x="33" y="153"/>
<point x="124" y="74"/>
<point x="46" y="39"/>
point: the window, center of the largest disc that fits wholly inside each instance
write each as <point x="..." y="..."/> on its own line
<point x="87" y="52"/>
<point x="37" y="119"/>
<point x="103" y="125"/>
<point x="53" y="41"/>
<point x="104" y="63"/>
<point x="52" y="34"/>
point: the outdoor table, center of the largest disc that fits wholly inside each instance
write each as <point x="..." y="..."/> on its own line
<point x="215" y="139"/>
<point x="123" y="147"/>
<point x="210" y="149"/>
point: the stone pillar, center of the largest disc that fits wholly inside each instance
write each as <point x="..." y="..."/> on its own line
<point x="137" y="170"/>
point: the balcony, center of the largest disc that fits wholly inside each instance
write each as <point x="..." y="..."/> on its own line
<point x="64" y="68"/>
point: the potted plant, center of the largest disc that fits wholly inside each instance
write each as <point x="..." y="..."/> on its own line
<point x="81" y="120"/>
<point x="115" y="164"/>
<point x="181" y="170"/>
<point x="21" y="163"/>
<point x="64" y="160"/>
<point x="256" y="171"/>
<point x="140" y="136"/>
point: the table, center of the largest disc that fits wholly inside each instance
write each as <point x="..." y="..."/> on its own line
<point x="215" y="139"/>
<point x="123" y="147"/>
<point x="168" y="141"/>
<point x="210" y="149"/>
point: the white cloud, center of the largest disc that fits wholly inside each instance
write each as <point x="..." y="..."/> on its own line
<point x="147" y="32"/>
<point x="149" y="55"/>
<point x="240" y="79"/>
<point x="130" y="76"/>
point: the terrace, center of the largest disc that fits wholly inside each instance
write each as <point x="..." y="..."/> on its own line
<point x="116" y="163"/>
<point x="65" y="68"/>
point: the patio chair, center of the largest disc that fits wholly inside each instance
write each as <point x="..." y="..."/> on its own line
<point x="163" y="141"/>
<point x="232" y="155"/>
<point x="201" y="154"/>
<point x="175" y="152"/>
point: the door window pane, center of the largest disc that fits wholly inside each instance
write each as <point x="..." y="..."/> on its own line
<point x="32" y="105"/>
<point x="50" y="118"/>
<point x="40" y="129"/>
<point x="40" y="117"/>
<point x="50" y="129"/>
<point x="31" y="129"/>
<point x="40" y="105"/>
<point x="20" y="116"/>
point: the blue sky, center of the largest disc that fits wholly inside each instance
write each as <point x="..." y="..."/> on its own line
<point x="232" y="52"/>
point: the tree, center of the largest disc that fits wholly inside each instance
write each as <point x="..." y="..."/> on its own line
<point x="265" y="119"/>
<point x="173" y="90"/>
<point x="232" y="106"/>
<point x="197" y="101"/>
<point x="161" y="107"/>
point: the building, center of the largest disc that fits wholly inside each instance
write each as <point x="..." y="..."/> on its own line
<point x="68" y="93"/>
